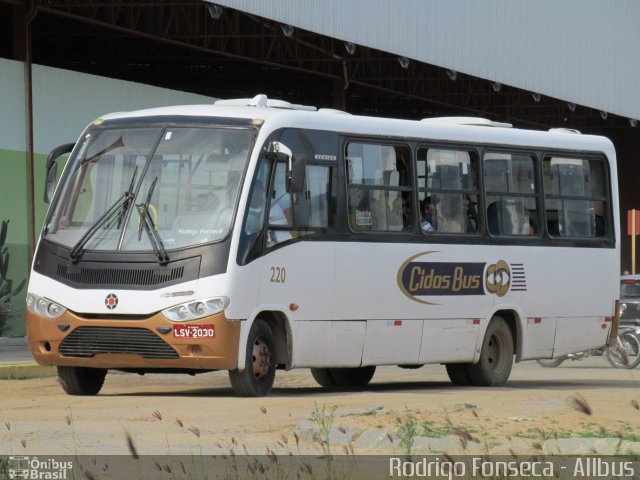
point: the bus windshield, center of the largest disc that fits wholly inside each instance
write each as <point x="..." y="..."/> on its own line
<point x="186" y="179"/>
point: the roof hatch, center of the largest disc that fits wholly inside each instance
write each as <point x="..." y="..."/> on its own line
<point x="262" y="101"/>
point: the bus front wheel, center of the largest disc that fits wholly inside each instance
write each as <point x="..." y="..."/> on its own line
<point x="81" y="380"/>
<point x="496" y="357"/>
<point x="257" y="377"/>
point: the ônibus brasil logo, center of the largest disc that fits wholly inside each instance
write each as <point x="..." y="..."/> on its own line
<point x="39" y="468"/>
<point x="111" y="301"/>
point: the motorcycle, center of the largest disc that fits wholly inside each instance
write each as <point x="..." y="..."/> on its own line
<point x="624" y="354"/>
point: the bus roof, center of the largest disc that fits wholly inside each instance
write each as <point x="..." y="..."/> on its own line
<point x="281" y="114"/>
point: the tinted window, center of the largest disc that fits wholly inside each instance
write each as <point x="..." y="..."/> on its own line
<point x="447" y="191"/>
<point x="379" y="187"/>
<point x="575" y="197"/>
<point x="510" y="194"/>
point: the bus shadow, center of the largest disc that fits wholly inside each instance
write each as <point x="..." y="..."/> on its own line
<point x="392" y="387"/>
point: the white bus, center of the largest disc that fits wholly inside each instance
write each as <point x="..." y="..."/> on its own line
<point x="255" y="235"/>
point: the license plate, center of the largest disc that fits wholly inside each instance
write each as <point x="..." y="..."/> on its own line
<point x="194" y="331"/>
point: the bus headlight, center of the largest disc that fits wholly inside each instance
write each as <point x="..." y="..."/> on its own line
<point x="186" y="312"/>
<point x="183" y="312"/>
<point x="44" y="306"/>
<point x="199" y="308"/>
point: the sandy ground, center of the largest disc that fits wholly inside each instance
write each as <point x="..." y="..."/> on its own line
<point x="191" y="415"/>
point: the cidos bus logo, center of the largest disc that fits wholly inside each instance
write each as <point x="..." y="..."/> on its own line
<point x="419" y="280"/>
<point x="425" y="279"/>
<point x="111" y="301"/>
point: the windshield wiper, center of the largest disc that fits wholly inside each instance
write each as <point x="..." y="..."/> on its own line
<point x="94" y="158"/>
<point x="120" y="205"/>
<point x="125" y="207"/>
<point x="146" y="222"/>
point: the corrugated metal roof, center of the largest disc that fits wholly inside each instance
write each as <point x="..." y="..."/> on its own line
<point x="581" y="51"/>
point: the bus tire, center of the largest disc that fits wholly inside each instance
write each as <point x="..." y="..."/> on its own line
<point x="323" y="377"/>
<point x="81" y="380"/>
<point x="458" y="374"/>
<point x="496" y="357"/>
<point x="257" y="377"/>
<point x="352" y="377"/>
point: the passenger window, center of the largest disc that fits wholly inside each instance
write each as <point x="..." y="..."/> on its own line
<point x="447" y="191"/>
<point x="575" y="197"/>
<point x="511" y="199"/>
<point x="379" y="187"/>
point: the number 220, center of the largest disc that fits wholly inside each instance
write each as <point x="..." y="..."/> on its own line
<point x="278" y="274"/>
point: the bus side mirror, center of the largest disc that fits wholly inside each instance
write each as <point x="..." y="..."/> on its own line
<point x="52" y="169"/>
<point x="296" y="174"/>
<point x="296" y="166"/>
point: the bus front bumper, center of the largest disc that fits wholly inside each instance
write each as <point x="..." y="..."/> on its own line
<point x="209" y="343"/>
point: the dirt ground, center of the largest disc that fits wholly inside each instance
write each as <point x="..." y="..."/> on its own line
<point x="173" y="414"/>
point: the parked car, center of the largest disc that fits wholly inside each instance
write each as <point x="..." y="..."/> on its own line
<point x="630" y="300"/>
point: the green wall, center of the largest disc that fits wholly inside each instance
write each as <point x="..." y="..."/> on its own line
<point x="13" y="207"/>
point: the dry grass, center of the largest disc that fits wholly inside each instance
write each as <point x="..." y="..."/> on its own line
<point x="23" y="372"/>
<point x="471" y="424"/>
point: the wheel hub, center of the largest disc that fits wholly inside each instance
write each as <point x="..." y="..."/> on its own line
<point x="261" y="358"/>
<point x="495" y="347"/>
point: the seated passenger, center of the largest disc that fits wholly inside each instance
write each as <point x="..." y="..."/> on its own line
<point x="493" y="222"/>
<point x="554" y="228"/>
<point x="426" y="221"/>
<point x="509" y="219"/>
<point x="449" y="214"/>
<point x="278" y="217"/>
<point x="521" y="224"/>
<point x="472" y="215"/>
<point x="407" y="223"/>
<point x="400" y="215"/>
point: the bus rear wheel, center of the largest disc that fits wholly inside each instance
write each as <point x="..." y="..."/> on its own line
<point x="458" y="374"/>
<point x="81" y="380"/>
<point x="343" y="377"/>
<point x="256" y="380"/>
<point x="496" y="356"/>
